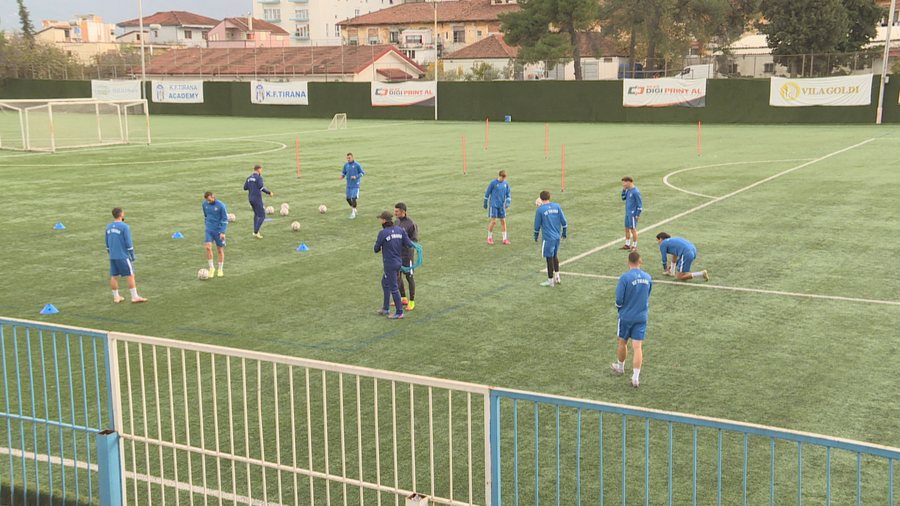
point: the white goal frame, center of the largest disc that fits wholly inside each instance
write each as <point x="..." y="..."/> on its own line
<point x="27" y="107"/>
<point x="338" y="122"/>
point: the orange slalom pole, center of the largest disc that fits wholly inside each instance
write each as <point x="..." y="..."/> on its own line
<point x="487" y="132"/>
<point x="563" y="168"/>
<point x="699" y="128"/>
<point x="464" y="154"/>
<point x="297" y="153"/>
<point x="546" y="140"/>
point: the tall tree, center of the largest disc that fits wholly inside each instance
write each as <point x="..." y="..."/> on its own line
<point x="25" y="21"/>
<point x="549" y="29"/>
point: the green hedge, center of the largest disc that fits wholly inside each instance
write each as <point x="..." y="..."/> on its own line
<point x="727" y="101"/>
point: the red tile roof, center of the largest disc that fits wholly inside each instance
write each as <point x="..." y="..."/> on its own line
<point x="420" y="12"/>
<point x="598" y="44"/>
<point x="492" y="46"/>
<point x="316" y="60"/>
<point x="258" y="25"/>
<point x="173" y="18"/>
<point x="394" y="74"/>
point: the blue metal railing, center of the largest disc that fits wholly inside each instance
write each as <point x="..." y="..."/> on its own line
<point x="56" y="397"/>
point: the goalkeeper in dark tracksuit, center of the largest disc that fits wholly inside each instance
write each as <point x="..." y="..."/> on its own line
<point x="256" y="187"/>
<point x="412" y="230"/>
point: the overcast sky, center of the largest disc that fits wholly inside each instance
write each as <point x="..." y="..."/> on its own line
<point x="114" y="11"/>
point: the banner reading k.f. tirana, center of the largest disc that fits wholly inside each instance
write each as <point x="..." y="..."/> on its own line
<point x="664" y="92"/>
<point x="408" y="93"/>
<point x="829" y="91"/>
<point x="291" y="93"/>
<point x="178" y="92"/>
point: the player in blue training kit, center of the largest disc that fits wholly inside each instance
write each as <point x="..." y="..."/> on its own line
<point x="497" y="199"/>
<point x="550" y="221"/>
<point x="216" y="219"/>
<point x="391" y="242"/>
<point x="633" y="304"/>
<point x="683" y="255"/>
<point x="634" y="205"/>
<point x="353" y="173"/>
<point x="255" y="187"/>
<point x="121" y="256"/>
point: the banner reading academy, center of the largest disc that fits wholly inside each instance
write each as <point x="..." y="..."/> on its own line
<point x="664" y="92"/>
<point x="291" y="93"/>
<point x="178" y="92"/>
<point x="407" y="93"/>
<point x="115" y="90"/>
<point x="828" y="91"/>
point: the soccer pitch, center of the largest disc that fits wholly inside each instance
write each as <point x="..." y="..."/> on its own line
<point x="797" y="225"/>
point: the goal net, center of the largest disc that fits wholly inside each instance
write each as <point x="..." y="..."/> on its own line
<point x="338" y="122"/>
<point x="50" y="125"/>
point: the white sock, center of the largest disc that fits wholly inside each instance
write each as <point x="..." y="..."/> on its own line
<point x="627" y="242"/>
<point x="621" y="365"/>
<point x="115" y="294"/>
<point x="134" y="294"/>
<point x="696" y="274"/>
<point x="490" y="235"/>
<point x="636" y="375"/>
<point x="556" y="277"/>
<point x="211" y="265"/>
<point x="634" y="244"/>
<point x="504" y="236"/>
<point x="220" y="265"/>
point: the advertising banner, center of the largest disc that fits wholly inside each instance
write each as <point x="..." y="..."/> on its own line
<point x="406" y="93"/>
<point x="664" y="92"/>
<point x="828" y="91"/>
<point x="290" y="93"/>
<point x="178" y="92"/>
<point x="115" y="90"/>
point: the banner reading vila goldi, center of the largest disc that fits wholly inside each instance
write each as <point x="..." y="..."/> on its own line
<point x="664" y="92"/>
<point x="827" y="91"/>
<point x="407" y="93"/>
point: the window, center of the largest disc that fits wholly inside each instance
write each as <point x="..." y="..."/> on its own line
<point x="187" y="34"/>
<point x="155" y="34"/>
<point x="732" y="68"/>
<point x="205" y="35"/>
<point x="356" y="12"/>
<point x="478" y="34"/>
<point x="413" y="40"/>
<point x="352" y="36"/>
<point x="373" y="36"/>
<point x="272" y="14"/>
<point x="337" y="30"/>
<point x="301" y="31"/>
<point x="410" y="54"/>
<point x="459" y="34"/>
<point x="394" y="36"/>
<point x="769" y="68"/>
<point x="301" y="15"/>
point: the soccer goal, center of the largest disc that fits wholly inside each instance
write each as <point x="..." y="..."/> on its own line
<point x="338" y="122"/>
<point x="49" y="125"/>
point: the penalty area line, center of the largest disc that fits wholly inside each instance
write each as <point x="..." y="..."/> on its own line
<point x="719" y="199"/>
<point x="747" y="290"/>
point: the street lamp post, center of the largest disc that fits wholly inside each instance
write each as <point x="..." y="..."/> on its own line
<point x="141" y="36"/>
<point x="884" y="63"/>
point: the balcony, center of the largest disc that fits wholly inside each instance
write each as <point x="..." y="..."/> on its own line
<point x="273" y="20"/>
<point x="300" y="36"/>
<point x="269" y="2"/>
<point x="299" y="1"/>
<point x="299" y="18"/>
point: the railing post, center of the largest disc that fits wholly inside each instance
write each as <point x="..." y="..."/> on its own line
<point x="109" y="468"/>
<point x="495" y="448"/>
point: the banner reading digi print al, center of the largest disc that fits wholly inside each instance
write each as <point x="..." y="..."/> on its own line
<point x="664" y="92"/>
<point x="400" y="94"/>
<point x="291" y="93"/>
<point x="829" y="91"/>
<point x="178" y="92"/>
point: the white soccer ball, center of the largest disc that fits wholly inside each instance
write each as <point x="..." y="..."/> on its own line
<point x="322" y="209"/>
<point x="295" y="226"/>
<point x="284" y="211"/>
<point x="231" y="217"/>
<point x="285" y="206"/>
<point x="538" y="202"/>
<point x="203" y="274"/>
<point x="270" y="210"/>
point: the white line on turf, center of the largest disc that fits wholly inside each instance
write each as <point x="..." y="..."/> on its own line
<point x="719" y="199"/>
<point x="751" y="290"/>
<point x="679" y="171"/>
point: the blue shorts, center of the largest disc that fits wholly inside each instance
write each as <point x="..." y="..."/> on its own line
<point x="631" y="330"/>
<point x="353" y="192"/>
<point x="497" y="212"/>
<point x="684" y="262"/>
<point x="631" y="222"/>
<point x="550" y="248"/>
<point x="214" y="237"/>
<point x="121" y="268"/>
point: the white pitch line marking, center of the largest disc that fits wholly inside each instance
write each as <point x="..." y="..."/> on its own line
<point x="719" y="199"/>
<point x="679" y="171"/>
<point x="750" y="290"/>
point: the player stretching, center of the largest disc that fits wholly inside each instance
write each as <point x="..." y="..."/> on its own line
<point x="633" y="304"/>
<point x="255" y="186"/>
<point x="633" y="207"/>
<point x="550" y="221"/>
<point x="121" y="256"/>
<point x="216" y="218"/>
<point x="390" y="242"/>
<point x="353" y="172"/>
<point x="683" y="255"/>
<point x="497" y="199"/>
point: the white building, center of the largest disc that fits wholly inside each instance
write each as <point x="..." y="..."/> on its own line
<point x="315" y="22"/>
<point x="173" y="27"/>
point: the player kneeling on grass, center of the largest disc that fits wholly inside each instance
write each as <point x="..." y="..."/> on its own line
<point x="121" y="256"/>
<point x="683" y="255"/>
<point x="391" y="242"/>
<point x="550" y="221"/>
<point x="633" y="304"/>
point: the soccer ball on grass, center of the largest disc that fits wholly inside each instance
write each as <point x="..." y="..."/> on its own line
<point x="270" y="210"/>
<point x="231" y="217"/>
<point x="284" y="211"/>
<point x="538" y="202"/>
<point x="322" y="209"/>
<point x="203" y="274"/>
<point x="295" y="226"/>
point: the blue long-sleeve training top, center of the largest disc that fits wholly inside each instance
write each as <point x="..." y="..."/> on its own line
<point x="634" y="204"/>
<point x="550" y="221"/>
<point x="498" y="194"/>
<point x="633" y="295"/>
<point x="352" y="169"/>
<point x="391" y="242"/>
<point x="216" y="216"/>
<point x="118" y="241"/>
<point x="255" y="185"/>
<point x="678" y="246"/>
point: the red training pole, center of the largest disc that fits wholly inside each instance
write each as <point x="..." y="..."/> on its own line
<point x="546" y="140"/>
<point x="464" y="154"/>
<point x="487" y="132"/>
<point x="699" y="126"/>
<point x="563" y="167"/>
<point x="297" y="152"/>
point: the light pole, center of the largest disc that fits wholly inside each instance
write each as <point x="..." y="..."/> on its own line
<point x="434" y="40"/>
<point x="884" y="63"/>
<point x="141" y="36"/>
